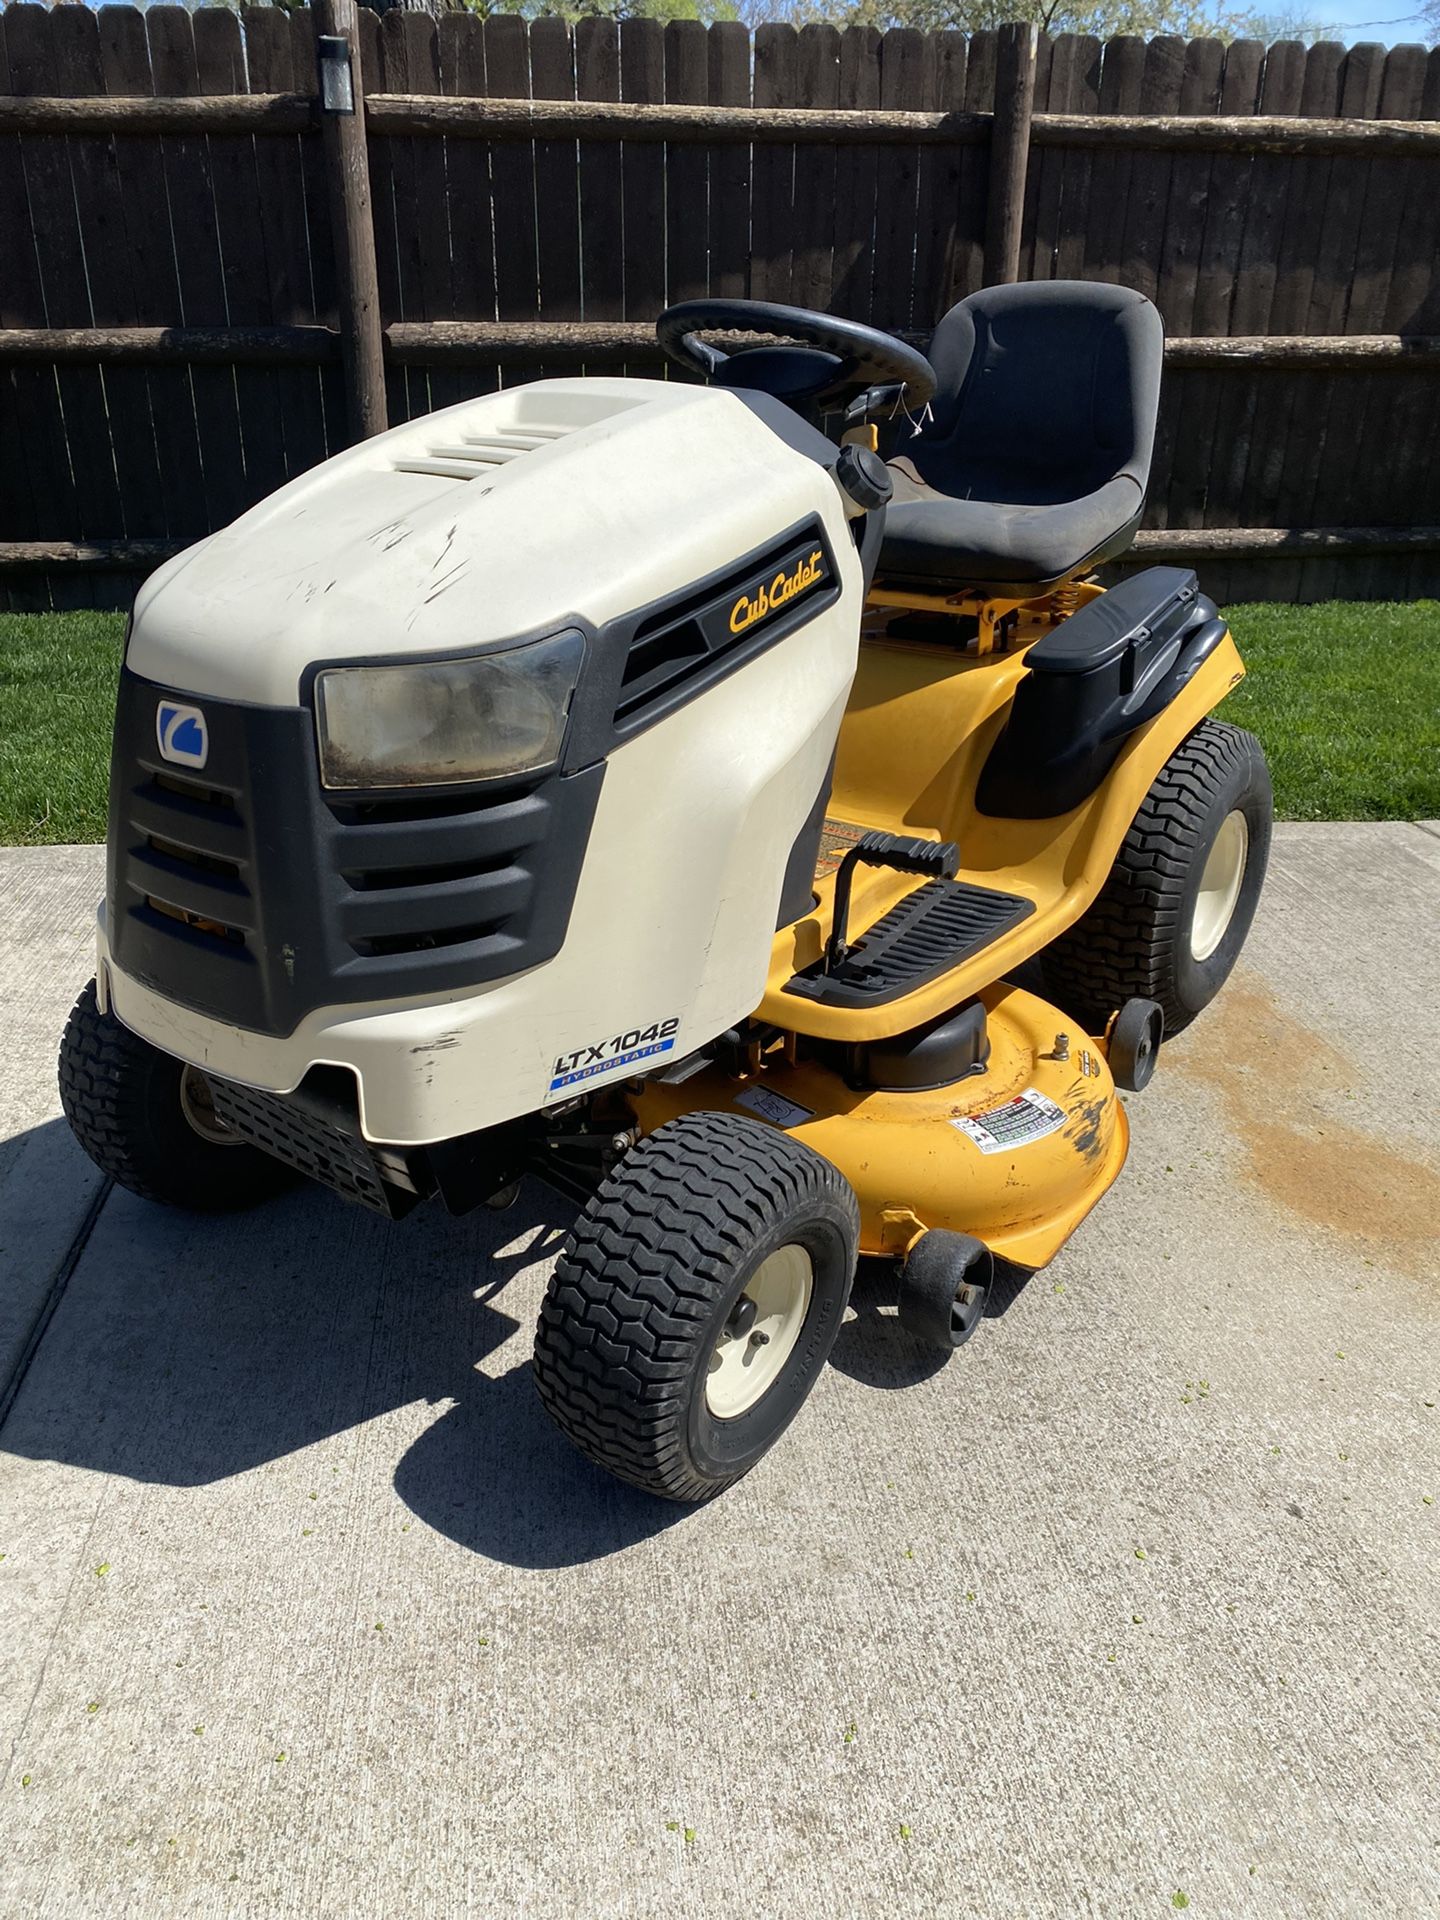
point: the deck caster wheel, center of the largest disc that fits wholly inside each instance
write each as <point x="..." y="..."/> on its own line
<point x="695" y="1303"/>
<point x="1134" y="1048"/>
<point x="943" y="1285"/>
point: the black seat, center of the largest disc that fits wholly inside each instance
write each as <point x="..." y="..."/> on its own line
<point x="1034" y="462"/>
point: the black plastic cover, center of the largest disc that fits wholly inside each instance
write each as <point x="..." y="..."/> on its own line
<point x="1091" y="683"/>
<point x="927" y="1057"/>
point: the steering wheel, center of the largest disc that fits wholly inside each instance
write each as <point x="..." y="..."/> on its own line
<point x="837" y="361"/>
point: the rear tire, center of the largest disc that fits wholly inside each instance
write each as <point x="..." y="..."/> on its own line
<point x="695" y="1303"/>
<point x="125" y="1104"/>
<point x="1170" y="921"/>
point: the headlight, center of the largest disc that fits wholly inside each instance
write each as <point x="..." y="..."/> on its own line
<point x="442" y="722"/>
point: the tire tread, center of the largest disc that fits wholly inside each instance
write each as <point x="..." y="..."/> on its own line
<point x="615" y="1345"/>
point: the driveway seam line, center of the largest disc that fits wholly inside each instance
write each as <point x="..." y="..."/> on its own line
<point x="1421" y="826"/>
<point x="53" y="1293"/>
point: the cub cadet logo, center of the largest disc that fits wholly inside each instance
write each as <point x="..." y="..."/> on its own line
<point x="182" y="734"/>
<point x="784" y="588"/>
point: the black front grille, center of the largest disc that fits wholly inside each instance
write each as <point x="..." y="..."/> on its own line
<point x="246" y="892"/>
<point x="334" y="1156"/>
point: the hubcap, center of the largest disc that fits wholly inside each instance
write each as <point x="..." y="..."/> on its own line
<point x="197" y="1103"/>
<point x="760" y="1334"/>
<point x="1220" y="885"/>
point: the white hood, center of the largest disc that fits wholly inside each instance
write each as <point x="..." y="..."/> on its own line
<point x="492" y="519"/>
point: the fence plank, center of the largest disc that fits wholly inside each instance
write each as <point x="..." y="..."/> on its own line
<point x="1179" y="273"/>
<point x="687" y="274"/>
<point x="939" y="196"/>
<point x="199" y="268"/>
<point x="75" y="474"/>
<point x="1047" y="164"/>
<point x="1148" y="201"/>
<point x="1398" y="416"/>
<point x="772" y="223"/>
<point x="1147" y="224"/>
<point x="642" y="79"/>
<point x="1085" y="56"/>
<point x="19" y="303"/>
<point x="291" y="296"/>
<point x="154" y="284"/>
<point x="472" y="236"/>
<point x="728" y="54"/>
<point x="597" y="77"/>
<point x="557" y="182"/>
<point x="1269" y="420"/>
<point x="1336" y="432"/>
<point x="512" y="174"/>
<point x="817" y="84"/>
<point x="902" y="89"/>
<point x="975" y="168"/>
<point x="126" y="436"/>
<point x="220" y="63"/>
<point x="855" y="178"/>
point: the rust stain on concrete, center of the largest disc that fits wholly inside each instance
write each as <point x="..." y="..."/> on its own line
<point x="1283" y="1088"/>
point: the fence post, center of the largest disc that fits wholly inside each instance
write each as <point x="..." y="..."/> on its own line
<point x="347" y="163"/>
<point x="1009" y="152"/>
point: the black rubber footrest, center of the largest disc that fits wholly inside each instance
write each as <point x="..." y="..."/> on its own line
<point x="924" y="935"/>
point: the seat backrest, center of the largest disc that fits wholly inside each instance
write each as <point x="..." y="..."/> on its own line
<point x="1047" y="390"/>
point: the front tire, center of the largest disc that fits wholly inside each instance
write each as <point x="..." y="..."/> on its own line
<point x="1170" y="921"/>
<point x="146" y="1119"/>
<point x="695" y="1303"/>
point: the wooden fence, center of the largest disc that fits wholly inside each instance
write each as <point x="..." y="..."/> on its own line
<point x="177" y="338"/>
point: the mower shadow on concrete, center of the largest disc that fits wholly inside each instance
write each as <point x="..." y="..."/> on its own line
<point x="189" y="1348"/>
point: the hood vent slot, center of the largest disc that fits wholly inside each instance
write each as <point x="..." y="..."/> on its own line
<point x="695" y="639"/>
<point x="472" y="454"/>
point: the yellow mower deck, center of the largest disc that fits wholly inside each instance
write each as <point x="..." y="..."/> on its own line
<point x="911" y="1163"/>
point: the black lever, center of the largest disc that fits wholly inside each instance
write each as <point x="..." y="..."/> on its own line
<point x="936" y="859"/>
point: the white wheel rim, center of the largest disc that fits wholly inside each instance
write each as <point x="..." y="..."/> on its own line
<point x="746" y="1360"/>
<point x="1220" y="885"/>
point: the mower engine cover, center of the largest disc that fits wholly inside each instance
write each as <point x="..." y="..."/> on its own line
<point x="475" y="760"/>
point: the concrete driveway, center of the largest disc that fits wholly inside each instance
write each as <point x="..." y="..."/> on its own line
<point x="1132" y="1605"/>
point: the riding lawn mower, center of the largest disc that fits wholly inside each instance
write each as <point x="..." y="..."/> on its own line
<point x="626" y="781"/>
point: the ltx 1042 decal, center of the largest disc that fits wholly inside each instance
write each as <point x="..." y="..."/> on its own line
<point x="607" y="1056"/>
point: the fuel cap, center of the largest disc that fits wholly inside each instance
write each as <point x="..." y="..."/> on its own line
<point x="864" y="476"/>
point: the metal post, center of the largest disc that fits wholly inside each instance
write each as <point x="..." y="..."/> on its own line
<point x="1009" y="152"/>
<point x="347" y="163"/>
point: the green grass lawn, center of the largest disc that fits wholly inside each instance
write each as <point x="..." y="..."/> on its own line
<point x="1345" y="697"/>
<point x="57" y="701"/>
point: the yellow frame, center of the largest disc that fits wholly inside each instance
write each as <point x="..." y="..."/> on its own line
<point x="920" y="723"/>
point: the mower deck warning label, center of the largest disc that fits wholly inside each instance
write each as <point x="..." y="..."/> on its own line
<point x="1029" y="1116"/>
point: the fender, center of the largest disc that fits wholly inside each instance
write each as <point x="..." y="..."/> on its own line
<point x="1092" y="683"/>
